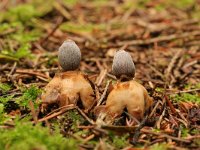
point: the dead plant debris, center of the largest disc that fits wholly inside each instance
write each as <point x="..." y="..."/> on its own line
<point x="162" y="38"/>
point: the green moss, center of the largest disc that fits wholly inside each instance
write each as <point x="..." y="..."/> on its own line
<point x="100" y="2"/>
<point x="81" y="28"/>
<point x="31" y="137"/>
<point x="182" y="3"/>
<point x="42" y="7"/>
<point x="195" y="131"/>
<point x="178" y="4"/>
<point x="195" y="98"/>
<point x="22" y="13"/>
<point x="22" y="52"/>
<point x="119" y="141"/>
<point x="25" y="37"/>
<point x="159" y="90"/>
<point x="4" y="87"/>
<point x="76" y="119"/>
<point x="159" y="146"/>
<point x="30" y="94"/>
<point x="21" y="38"/>
<point x="184" y="131"/>
<point x="3" y="116"/>
<point x="5" y="99"/>
<point x="70" y="3"/>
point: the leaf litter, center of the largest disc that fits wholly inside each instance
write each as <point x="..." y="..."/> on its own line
<point x="163" y="40"/>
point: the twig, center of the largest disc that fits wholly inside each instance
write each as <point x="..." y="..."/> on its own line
<point x="86" y="127"/>
<point x="62" y="10"/>
<point x="111" y="76"/>
<point x="100" y="130"/>
<point x="160" y="39"/>
<point x="155" y="70"/>
<point x="104" y="94"/>
<point x="134" y="119"/>
<point x="171" y="64"/>
<point x="88" y="138"/>
<point x="101" y="77"/>
<point x="193" y="137"/>
<point x="32" y="72"/>
<point x="122" y="129"/>
<point x="58" y="23"/>
<point x="160" y="118"/>
<point x="154" y="109"/>
<point x="190" y="64"/>
<point x="170" y="105"/>
<point x="76" y="137"/>
<point x="58" y="109"/>
<point x="33" y="112"/>
<point x="185" y="91"/>
<point x="70" y="107"/>
<point x="137" y="131"/>
<point x="165" y="135"/>
<point x="85" y="116"/>
<point x="183" y="119"/>
<point x="13" y="69"/>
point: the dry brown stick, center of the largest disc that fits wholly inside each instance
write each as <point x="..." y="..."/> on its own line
<point x="97" y="93"/>
<point x="48" y="69"/>
<point x="62" y="10"/>
<point x="6" y="127"/>
<point x="119" y="128"/>
<point x="190" y="64"/>
<point x="160" y="39"/>
<point x="33" y="112"/>
<point x="170" y="105"/>
<point x="100" y="130"/>
<point x="85" y="116"/>
<point x="193" y="137"/>
<point x="172" y="63"/>
<point x="111" y="76"/>
<point x="185" y="91"/>
<point x="137" y="131"/>
<point x="183" y="119"/>
<point x="165" y="135"/>
<point x="86" y="127"/>
<point x="57" y="113"/>
<point x="13" y="69"/>
<point x="58" y="23"/>
<point x="104" y="94"/>
<point x="155" y="70"/>
<point x="160" y="119"/>
<point x="58" y="109"/>
<point x="101" y="77"/>
<point x="32" y="72"/>
<point x="154" y="109"/>
<point x="88" y="138"/>
<point x="76" y="137"/>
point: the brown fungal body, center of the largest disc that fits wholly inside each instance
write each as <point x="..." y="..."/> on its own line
<point x="123" y="64"/>
<point x="67" y="88"/>
<point x="69" y="55"/>
<point x="130" y="95"/>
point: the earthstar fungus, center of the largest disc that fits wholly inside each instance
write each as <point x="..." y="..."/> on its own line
<point x="70" y="86"/>
<point x="128" y="94"/>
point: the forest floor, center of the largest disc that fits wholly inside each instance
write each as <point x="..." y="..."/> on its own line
<point x="163" y="38"/>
